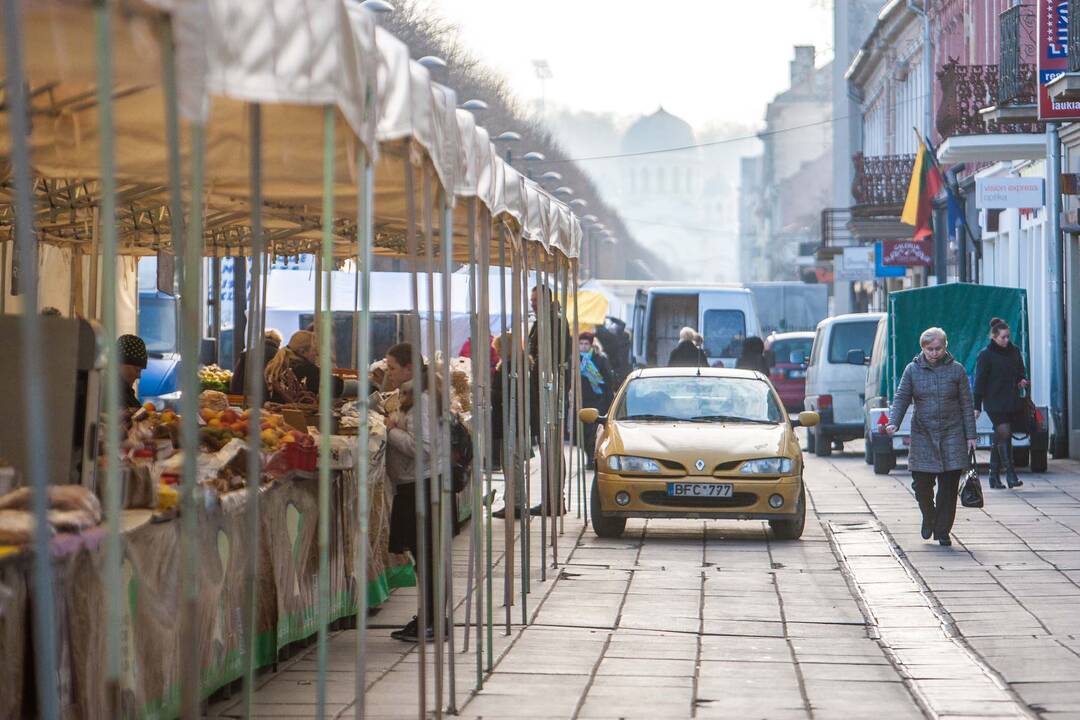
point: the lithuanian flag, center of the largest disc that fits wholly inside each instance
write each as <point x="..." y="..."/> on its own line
<point x="926" y="183"/>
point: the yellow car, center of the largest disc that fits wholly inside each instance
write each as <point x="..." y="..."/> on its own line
<point x="707" y="443"/>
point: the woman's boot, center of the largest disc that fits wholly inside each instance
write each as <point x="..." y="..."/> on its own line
<point x="995" y="469"/>
<point x="1005" y="449"/>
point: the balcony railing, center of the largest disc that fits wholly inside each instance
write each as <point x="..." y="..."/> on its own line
<point x="967" y="89"/>
<point x="1016" y="78"/>
<point x="834" y="230"/>
<point x="880" y="183"/>
<point x="1074" y="36"/>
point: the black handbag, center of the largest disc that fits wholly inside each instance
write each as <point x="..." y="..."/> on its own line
<point x="971" y="494"/>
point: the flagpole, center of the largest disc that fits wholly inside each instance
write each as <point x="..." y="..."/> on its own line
<point x="954" y="196"/>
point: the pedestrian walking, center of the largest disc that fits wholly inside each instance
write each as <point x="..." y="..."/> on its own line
<point x="942" y="430"/>
<point x="597" y="388"/>
<point x="687" y="353"/>
<point x="753" y="356"/>
<point x="999" y="378"/>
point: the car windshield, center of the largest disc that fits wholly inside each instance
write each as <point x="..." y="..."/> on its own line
<point x="704" y="398"/>
<point x="848" y="336"/>
<point x="782" y="349"/>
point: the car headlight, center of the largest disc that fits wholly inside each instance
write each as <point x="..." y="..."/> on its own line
<point x="632" y="463"/>
<point x="766" y="466"/>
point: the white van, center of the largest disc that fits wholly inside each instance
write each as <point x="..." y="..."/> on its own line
<point x="724" y="314"/>
<point x="836" y="379"/>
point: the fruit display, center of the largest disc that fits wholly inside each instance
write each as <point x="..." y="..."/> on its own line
<point x="225" y="425"/>
<point x="212" y="377"/>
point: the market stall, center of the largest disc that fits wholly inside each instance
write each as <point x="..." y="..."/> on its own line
<point x="210" y="129"/>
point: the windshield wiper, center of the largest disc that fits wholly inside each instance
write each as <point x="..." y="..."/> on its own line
<point x="647" y="416"/>
<point x="731" y="418"/>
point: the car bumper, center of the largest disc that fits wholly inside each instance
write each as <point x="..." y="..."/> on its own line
<point x="749" y="501"/>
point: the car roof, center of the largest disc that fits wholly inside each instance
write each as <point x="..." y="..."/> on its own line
<point x="851" y="317"/>
<point x="695" y="372"/>
<point x="800" y="335"/>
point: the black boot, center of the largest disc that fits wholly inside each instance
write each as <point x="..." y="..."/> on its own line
<point x="928" y="520"/>
<point x="1005" y="449"/>
<point x="995" y="469"/>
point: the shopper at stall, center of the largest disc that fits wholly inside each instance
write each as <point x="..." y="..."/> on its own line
<point x="292" y="376"/>
<point x="597" y="387"/>
<point x="132" y="357"/>
<point x="559" y="332"/>
<point x="942" y="430"/>
<point x="402" y="458"/>
<point x="271" y="345"/>
<point x="999" y="378"/>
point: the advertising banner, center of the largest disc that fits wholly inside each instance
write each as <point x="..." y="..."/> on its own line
<point x="1053" y="58"/>
<point x="880" y="270"/>
<point x="1001" y="193"/>
<point x="907" y="253"/>
<point x="856" y="264"/>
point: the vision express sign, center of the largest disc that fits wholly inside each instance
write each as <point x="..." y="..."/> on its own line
<point x="1001" y="193"/>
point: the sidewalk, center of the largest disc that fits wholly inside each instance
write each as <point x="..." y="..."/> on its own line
<point x="1008" y="585"/>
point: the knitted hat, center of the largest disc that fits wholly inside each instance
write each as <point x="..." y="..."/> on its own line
<point x="132" y="350"/>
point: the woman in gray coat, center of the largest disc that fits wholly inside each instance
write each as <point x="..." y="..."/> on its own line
<point x="942" y="430"/>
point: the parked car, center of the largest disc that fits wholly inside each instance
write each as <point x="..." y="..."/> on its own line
<point x="897" y="342"/>
<point x="788" y="355"/>
<point x="698" y="443"/>
<point x="724" y="315"/>
<point x="836" y="379"/>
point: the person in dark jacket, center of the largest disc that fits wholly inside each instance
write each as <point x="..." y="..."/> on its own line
<point x="597" y="388"/>
<point x="753" y="356"/>
<point x="686" y="353"/>
<point x="614" y="338"/>
<point x="999" y="378"/>
<point x="271" y="344"/>
<point x="559" y="332"/>
<point x="132" y="358"/>
<point x="942" y="430"/>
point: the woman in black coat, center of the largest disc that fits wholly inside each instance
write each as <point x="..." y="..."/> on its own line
<point x="999" y="377"/>
<point x="753" y="356"/>
<point x="597" y="388"/>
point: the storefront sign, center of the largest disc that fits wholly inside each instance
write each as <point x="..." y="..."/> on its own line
<point x="1000" y="193"/>
<point x="880" y="270"/>
<point x="1053" y="59"/>
<point x="907" y="253"/>
<point x="855" y="265"/>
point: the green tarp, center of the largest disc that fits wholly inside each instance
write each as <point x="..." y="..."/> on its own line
<point x="963" y="311"/>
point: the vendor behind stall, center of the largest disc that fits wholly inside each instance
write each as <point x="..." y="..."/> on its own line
<point x="293" y="375"/>
<point x="271" y="345"/>
<point x="131" y="353"/>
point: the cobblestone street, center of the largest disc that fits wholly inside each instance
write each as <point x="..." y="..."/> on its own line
<point x="690" y="619"/>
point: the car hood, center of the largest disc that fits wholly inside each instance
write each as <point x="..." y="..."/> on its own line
<point x="687" y="442"/>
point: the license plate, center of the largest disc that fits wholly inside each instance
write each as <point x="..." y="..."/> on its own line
<point x="708" y="490"/>
<point x="796" y="374"/>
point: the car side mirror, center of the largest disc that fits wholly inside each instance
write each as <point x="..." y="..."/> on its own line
<point x="806" y="419"/>
<point x="857" y="357"/>
<point x="590" y="416"/>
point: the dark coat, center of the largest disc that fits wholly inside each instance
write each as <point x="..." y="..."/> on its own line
<point x="308" y="375"/>
<point x="131" y="401"/>
<point x="944" y="417"/>
<point x="998" y="373"/>
<point x="753" y="361"/>
<point x="602" y="400"/>
<point x="236" y="385"/>
<point x="687" y="354"/>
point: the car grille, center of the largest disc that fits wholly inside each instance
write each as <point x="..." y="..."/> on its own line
<point x="659" y="497"/>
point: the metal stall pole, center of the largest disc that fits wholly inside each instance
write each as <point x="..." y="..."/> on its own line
<point x="524" y="421"/>
<point x="565" y="353"/>
<point x="325" y="328"/>
<point x="435" y="433"/>
<point x="255" y="388"/>
<point x="485" y="334"/>
<point x="543" y="354"/>
<point x="474" y="435"/>
<point x="113" y="506"/>
<point x="365" y="227"/>
<point x="583" y="453"/>
<point x="418" y="433"/>
<point x="505" y="350"/>
<point x="446" y="226"/>
<point x="32" y="352"/>
<point x="512" y="463"/>
<point x="518" y="445"/>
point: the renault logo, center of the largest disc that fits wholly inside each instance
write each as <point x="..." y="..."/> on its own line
<point x="700" y="465"/>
